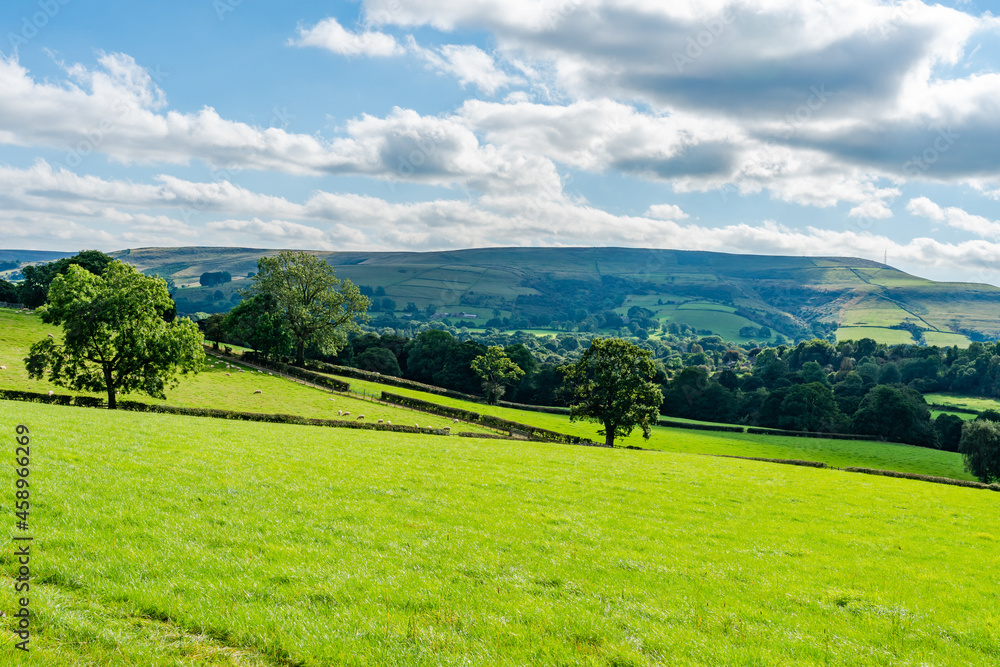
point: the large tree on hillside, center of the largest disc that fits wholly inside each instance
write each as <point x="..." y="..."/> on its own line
<point x="317" y="307"/>
<point x="612" y="384"/>
<point x="897" y="414"/>
<point x="497" y="371"/>
<point x="119" y="334"/>
<point x="980" y="447"/>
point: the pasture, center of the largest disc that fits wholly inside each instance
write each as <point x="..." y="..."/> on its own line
<point x="173" y="540"/>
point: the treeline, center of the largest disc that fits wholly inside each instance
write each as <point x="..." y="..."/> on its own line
<point x="850" y="387"/>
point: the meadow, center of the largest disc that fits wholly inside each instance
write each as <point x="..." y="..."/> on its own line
<point x="837" y="453"/>
<point x="167" y="540"/>
<point x="967" y="402"/>
<point x="219" y="385"/>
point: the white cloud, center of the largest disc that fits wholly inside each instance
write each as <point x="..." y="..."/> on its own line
<point x="666" y="212"/>
<point x="330" y="35"/>
<point x="955" y="217"/>
<point x="469" y="64"/>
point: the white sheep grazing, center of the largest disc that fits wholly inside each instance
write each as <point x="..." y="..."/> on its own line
<point x="51" y="392"/>
<point x="50" y="336"/>
<point x="389" y="422"/>
<point x="416" y="426"/>
<point x="340" y="412"/>
<point x="258" y="392"/>
<point x="3" y="368"/>
<point x="347" y="414"/>
<point x="379" y="421"/>
<point x="360" y="417"/>
<point x="447" y="429"/>
<point x="229" y="375"/>
<point x="454" y="421"/>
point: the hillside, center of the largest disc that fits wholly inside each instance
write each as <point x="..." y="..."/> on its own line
<point x="546" y="288"/>
<point x="179" y="540"/>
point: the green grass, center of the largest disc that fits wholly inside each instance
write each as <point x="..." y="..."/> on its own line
<point x="942" y="339"/>
<point x="165" y="540"/>
<point x="212" y="388"/>
<point x="961" y="415"/>
<point x="839" y="453"/>
<point x="878" y="334"/>
<point x="967" y="402"/>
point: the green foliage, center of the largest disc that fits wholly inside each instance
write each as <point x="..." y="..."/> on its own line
<point x="497" y="371"/>
<point x="213" y="278"/>
<point x="980" y="448"/>
<point x="378" y="360"/>
<point x="810" y="407"/>
<point x="316" y="307"/>
<point x="34" y="290"/>
<point x="257" y="323"/>
<point x="895" y="413"/>
<point x="949" y="431"/>
<point x="612" y="385"/>
<point x="116" y="337"/>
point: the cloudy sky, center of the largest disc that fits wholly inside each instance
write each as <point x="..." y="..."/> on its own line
<point x="845" y="127"/>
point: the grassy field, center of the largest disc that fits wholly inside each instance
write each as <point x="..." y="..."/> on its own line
<point x="839" y="453"/>
<point x="967" y="402"/>
<point x="878" y="334"/>
<point x="218" y="386"/>
<point x="164" y="540"/>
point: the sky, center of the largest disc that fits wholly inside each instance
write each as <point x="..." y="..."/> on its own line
<point x="786" y="127"/>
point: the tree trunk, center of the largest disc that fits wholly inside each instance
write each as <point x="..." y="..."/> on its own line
<point x="112" y="403"/>
<point x="300" y="354"/>
<point x="609" y="437"/>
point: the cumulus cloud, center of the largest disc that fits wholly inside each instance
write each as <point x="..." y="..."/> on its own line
<point x="955" y="217"/>
<point x="467" y="63"/>
<point x="330" y="35"/>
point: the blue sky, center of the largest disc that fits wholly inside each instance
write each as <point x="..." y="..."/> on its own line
<point x="849" y="127"/>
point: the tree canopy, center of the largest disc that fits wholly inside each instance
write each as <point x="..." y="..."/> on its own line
<point x="317" y="308"/>
<point x="119" y="334"/>
<point x="612" y="385"/>
<point x="980" y="447"/>
<point x="34" y="291"/>
<point x="497" y="371"/>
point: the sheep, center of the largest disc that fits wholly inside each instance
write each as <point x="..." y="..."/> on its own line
<point x="347" y="414"/>
<point x="340" y="412"/>
<point x="50" y="335"/>
<point x="454" y="421"/>
<point x="447" y="430"/>
<point x="3" y="368"/>
<point x="229" y="375"/>
<point x="379" y="421"/>
<point x="360" y="417"/>
<point x="416" y="426"/>
<point x="51" y="393"/>
<point x="258" y="392"/>
<point x="389" y="422"/>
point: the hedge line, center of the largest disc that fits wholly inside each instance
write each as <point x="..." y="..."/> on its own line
<point x="136" y="406"/>
<point x="951" y="408"/>
<point x="925" y="478"/>
<point x="294" y="371"/>
<point x="550" y="409"/>
<point x="700" y="427"/>
<point x="485" y="420"/>
<point x="807" y="434"/>
<point x="791" y="462"/>
<point x="391" y="380"/>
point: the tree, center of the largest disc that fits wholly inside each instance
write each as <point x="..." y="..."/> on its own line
<point x="611" y="384"/>
<point x="897" y="414"/>
<point x="809" y="407"/>
<point x="379" y="360"/>
<point x="316" y="306"/>
<point x="213" y="278"/>
<point x="496" y="371"/>
<point x="256" y="323"/>
<point x="37" y="279"/>
<point x="117" y="334"/>
<point x="949" y="430"/>
<point x="980" y="447"/>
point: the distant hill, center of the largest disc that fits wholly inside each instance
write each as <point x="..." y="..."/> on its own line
<point x="734" y="296"/>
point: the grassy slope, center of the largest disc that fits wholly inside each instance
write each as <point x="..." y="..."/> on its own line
<point x="212" y="388"/>
<point x="170" y="540"/>
<point x="844" y="290"/>
<point x="969" y="402"/>
<point x="839" y="453"/>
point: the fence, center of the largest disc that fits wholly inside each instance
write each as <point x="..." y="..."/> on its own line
<point x="14" y="306"/>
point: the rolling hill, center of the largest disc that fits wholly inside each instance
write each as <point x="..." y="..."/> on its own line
<point x="797" y="297"/>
